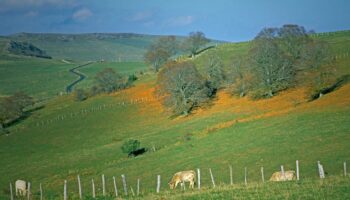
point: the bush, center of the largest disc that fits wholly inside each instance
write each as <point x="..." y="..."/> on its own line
<point x="80" y="95"/>
<point x="130" y="146"/>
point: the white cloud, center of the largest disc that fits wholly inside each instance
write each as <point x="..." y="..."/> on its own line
<point x="82" y="14"/>
<point x="141" y="16"/>
<point x="149" y="24"/>
<point x="9" y="5"/>
<point x="31" y="14"/>
<point x="180" y="21"/>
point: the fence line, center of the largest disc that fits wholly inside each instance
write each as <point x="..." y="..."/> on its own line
<point x="158" y="184"/>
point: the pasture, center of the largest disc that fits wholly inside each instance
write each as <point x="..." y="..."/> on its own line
<point x="124" y="68"/>
<point x="69" y="138"/>
<point x="41" y="78"/>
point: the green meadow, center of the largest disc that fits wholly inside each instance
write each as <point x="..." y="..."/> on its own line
<point x="124" y="68"/>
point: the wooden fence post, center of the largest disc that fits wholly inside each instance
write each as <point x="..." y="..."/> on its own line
<point x="262" y="174"/>
<point x="115" y="187"/>
<point x="11" y="193"/>
<point x="93" y="188"/>
<point x="199" y="178"/>
<point x="132" y="191"/>
<point x="79" y="186"/>
<point x="41" y="192"/>
<point x="297" y="164"/>
<point x="158" y="183"/>
<point x="103" y="185"/>
<point x="65" y="190"/>
<point x="212" y="177"/>
<point x="231" y="178"/>
<point x="28" y="192"/>
<point x="138" y="187"/>
<point x="344" y="165"/>
<point x="124" y="185"/>
<point x="320" y="170"/>
<point x="245" y="175"/>
<point x="283" y="174"/>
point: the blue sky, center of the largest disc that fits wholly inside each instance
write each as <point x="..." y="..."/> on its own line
<point x="231" y="20"/>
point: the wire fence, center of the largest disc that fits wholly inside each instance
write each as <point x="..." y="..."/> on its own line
<point x="120" y="186"/>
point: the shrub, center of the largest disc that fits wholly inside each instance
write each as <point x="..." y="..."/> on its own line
<point x="130" y="146"/>
<point x="80" y="95"/>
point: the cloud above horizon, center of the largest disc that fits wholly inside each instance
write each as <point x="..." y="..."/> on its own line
<point x="180" y="21"/>
<point x="141" y="16"/>
<point x="82" y="14"/>
<point x="12" y="5"/>
<point x="222" y="19"/>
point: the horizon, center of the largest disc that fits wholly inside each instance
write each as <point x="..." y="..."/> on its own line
<point x="237" y="20"/>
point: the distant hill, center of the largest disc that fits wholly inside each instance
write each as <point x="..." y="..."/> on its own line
<point x="91" y="46"/>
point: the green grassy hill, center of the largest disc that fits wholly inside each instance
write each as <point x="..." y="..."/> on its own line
<point x="95" y="46"/>
<point x="68" y="138"/>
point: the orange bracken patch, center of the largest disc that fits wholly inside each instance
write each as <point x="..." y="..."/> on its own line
<point x="144" y="96"/>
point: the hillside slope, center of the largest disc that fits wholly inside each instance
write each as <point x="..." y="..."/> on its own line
<point x="68" y="138"/>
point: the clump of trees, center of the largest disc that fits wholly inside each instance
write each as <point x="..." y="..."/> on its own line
<point x="12" y="108"/>
<point x="278" y="58"/>
<point x="182" y="87"/>
<point x="109" y="81"/>
<point x="165" y="48"/>
<point x="279" y="54"/>
<point x="161" y="51"/>
<point x="106" y="81"/>
<point x="26" y="49"/>
<point x="194" y="42"/>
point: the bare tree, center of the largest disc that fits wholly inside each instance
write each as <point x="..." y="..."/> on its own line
<point x="241" y="77"/>
<point x="161" y="51"/>
<point x="109" y="81"/>
<point x="272" y="70"/>
<point x="215" y="73"/>
<point x="182" y="87"/>
<point x="194" y="42"/>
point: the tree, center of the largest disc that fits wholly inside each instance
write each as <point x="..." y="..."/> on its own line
<point x="194" y="42"/>
<point x="241" y="78"/>
<point x="215" y="73"/>
<point x="182" y="87"/>
<point x="293" y="40"/>
<point x="279" y="53"/>
<point x="80" y="95"/>
<point x="273" y="71"/>
<point x="109" y="81"/>
<point x="318" y="66"/>
<point x="161" y="51"/>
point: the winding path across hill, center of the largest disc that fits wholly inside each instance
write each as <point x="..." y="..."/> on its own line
<point x="81" y="76"/>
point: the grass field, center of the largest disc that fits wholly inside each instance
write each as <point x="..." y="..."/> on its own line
<point x="38" y="77"/>
<point x="125" y="68"/>
<point x="68" y="138"/>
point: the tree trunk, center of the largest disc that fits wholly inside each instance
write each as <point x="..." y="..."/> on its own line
<point x="270" y="94"/>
